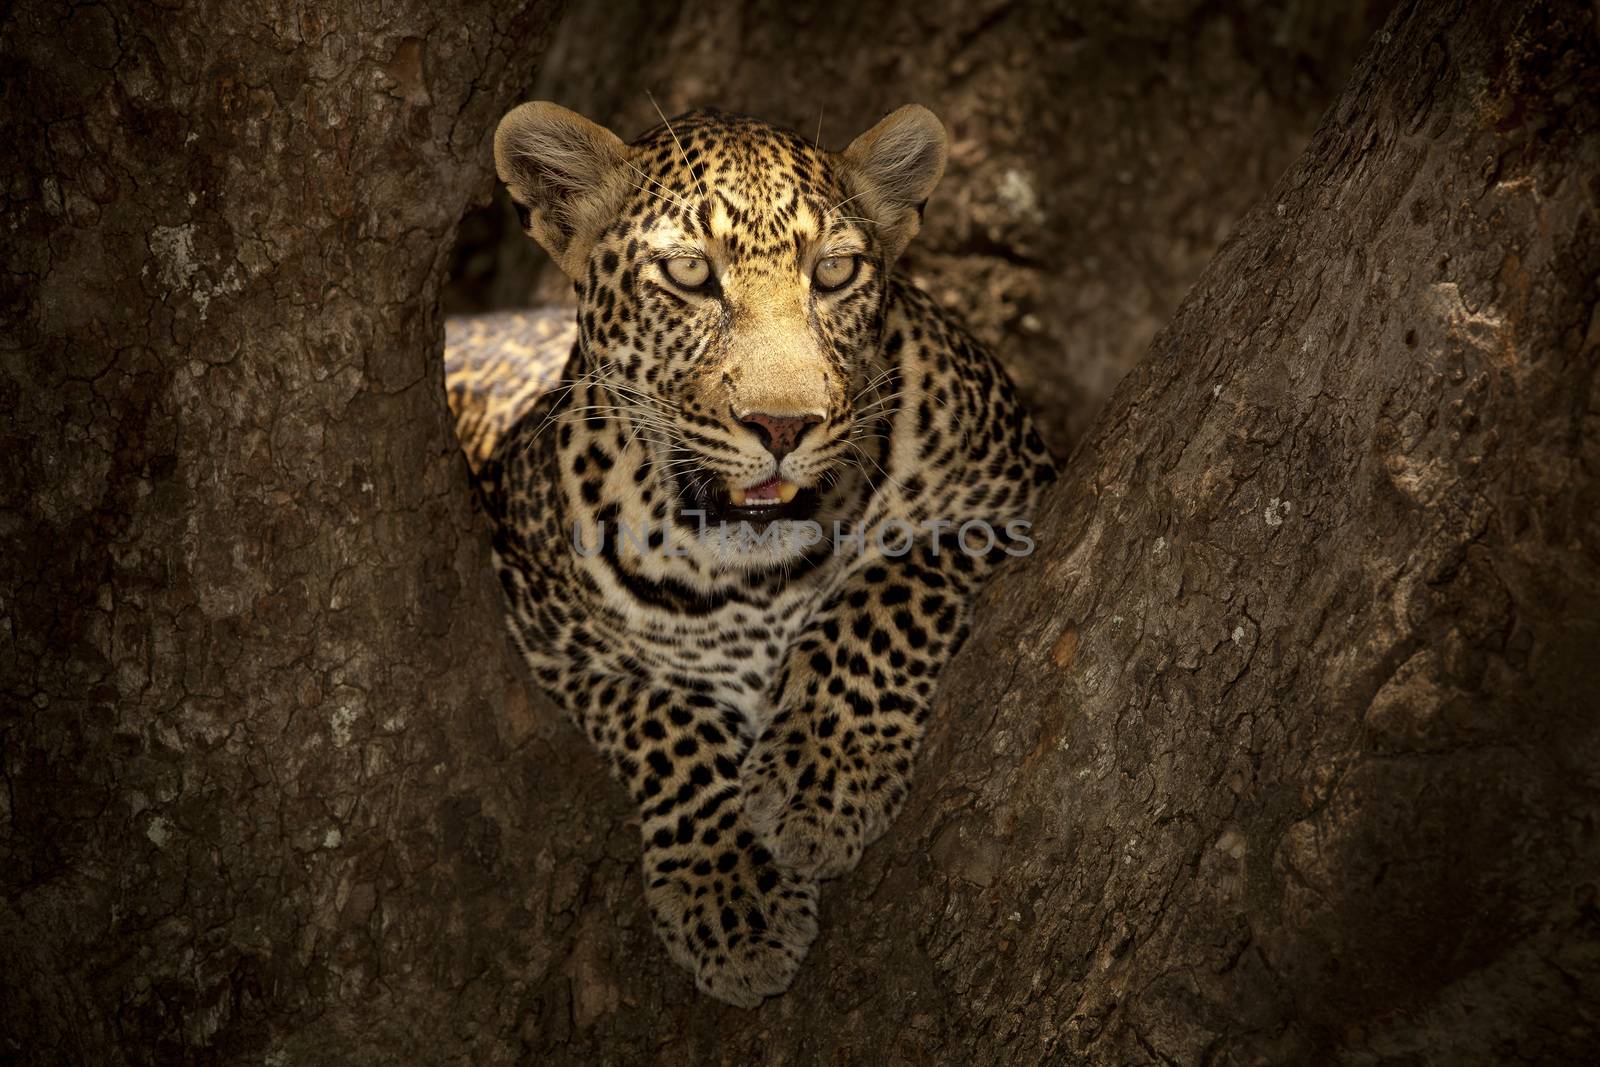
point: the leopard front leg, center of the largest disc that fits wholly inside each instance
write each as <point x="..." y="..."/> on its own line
<point x="831" y="770"/>
<point x="724" y="909"/>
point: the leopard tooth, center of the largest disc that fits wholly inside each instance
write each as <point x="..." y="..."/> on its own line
<point x="737" y="496"/>
<point x="787" y="491"/>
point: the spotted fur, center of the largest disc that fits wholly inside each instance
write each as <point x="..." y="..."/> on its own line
<point x="762" y="699"/>
<point x="497" y="366"/>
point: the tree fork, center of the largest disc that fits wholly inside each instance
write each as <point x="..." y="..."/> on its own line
<point x="1280" y="749"/>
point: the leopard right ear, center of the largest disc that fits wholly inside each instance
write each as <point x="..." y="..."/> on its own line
<point x="567" y="176"/>
<point x="897" y="163"/>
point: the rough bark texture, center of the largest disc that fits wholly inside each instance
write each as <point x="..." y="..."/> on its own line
<point x="1281" y="749"/>
<point x="1284" y="747"/>
<point x="241" y="583"/>
<point x="1100" y="150"/>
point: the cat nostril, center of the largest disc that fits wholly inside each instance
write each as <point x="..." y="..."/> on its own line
<point x="780" y="433"/>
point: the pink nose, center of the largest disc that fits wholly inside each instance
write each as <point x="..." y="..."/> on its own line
<point x="780" y="433"/>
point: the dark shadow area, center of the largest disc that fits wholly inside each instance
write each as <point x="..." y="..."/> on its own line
<point x="1101" y="152"/>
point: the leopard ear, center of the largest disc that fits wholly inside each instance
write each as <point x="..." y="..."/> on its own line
<point x="567" y="175"/>
<point x="896" y="165"/>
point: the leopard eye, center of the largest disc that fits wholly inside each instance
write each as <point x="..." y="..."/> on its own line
<point x="834" y="272"/>
<point x="687" y="272"/>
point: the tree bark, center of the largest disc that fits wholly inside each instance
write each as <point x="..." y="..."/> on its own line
<point x="1280" y="749"/>
<point x="1283" y="749"/>
<point x="251" y="662"/>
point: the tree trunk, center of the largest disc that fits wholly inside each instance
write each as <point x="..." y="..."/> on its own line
<point x="1283" y="748"/>
<point x="251" y="668"/>
<point x="1280" y="749"/>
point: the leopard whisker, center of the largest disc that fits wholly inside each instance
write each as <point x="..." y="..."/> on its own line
<point x="666" y="194"/>
<point x="681" y="153"/>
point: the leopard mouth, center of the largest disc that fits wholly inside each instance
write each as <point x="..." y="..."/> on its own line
<point x="758" y="505"/>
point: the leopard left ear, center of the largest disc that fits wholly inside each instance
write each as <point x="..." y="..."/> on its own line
<point x="896" y="164"/>
<point x="566" y="175"/>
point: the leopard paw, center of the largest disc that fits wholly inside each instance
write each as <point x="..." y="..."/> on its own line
<point x="741" y="925"/>
<point x="813" y="816"/>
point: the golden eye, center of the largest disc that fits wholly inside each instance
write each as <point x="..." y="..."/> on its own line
<point x="835" y="272"/>
<point x="687" y="272"/>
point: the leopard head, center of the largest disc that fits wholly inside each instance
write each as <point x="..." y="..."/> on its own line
<point x="732" y="281"/>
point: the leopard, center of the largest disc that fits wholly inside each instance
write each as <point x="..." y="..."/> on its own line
<point x="742" y="528"/>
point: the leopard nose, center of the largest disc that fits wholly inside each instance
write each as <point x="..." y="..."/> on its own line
<point x="780" y="433"/>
